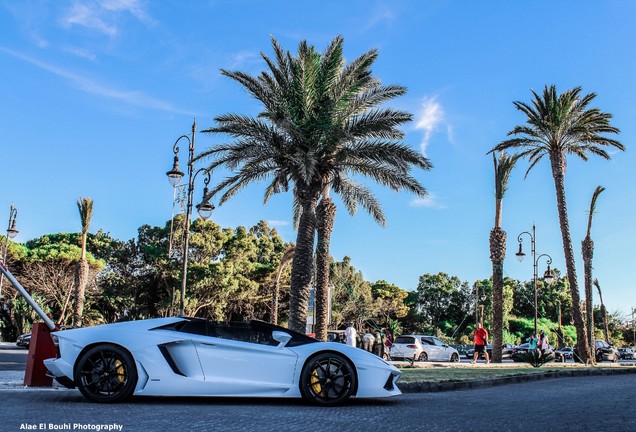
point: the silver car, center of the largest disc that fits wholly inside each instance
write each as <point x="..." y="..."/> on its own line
<point x="423" y="348"/>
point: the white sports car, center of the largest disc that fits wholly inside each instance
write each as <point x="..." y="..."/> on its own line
<point x="196" y="357"/>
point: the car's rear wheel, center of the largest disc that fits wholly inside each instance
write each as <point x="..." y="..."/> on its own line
<point x="454" y="358"/>
<point x="106" y="373"/>
<point x="328" y="379"/>
<point x="423" y="356"/>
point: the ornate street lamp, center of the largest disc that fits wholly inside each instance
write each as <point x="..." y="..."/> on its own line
<point x="547" y="276"/>
<point x="12" y="231"/>
<point x="205" y="208"/>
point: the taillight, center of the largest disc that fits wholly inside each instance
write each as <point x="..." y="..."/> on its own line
<point x="412" y="346"/>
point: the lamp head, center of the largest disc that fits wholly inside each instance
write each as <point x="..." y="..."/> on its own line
<point x="175" y="174"/>
<point x="520" y="254"/>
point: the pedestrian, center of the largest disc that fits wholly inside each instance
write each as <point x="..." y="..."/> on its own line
<point x="480" y="340"/>
<point x="368" y="340"/>
<point x="532" y="342"/>
<point x="544" y="343"/>
<point x="378" y="346"/>
<point x="351" y="335"/>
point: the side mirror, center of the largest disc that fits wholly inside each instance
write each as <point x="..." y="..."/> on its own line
<point x="281" y="337"/>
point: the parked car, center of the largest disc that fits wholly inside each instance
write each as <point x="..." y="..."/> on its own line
<point x="407" y="347"/>
<point x="563" y="354"/>
<point x="506" y="351"/>
<point x="24" y="340"/>
<point x="183" y="356"/>
<point x="518" y="351"/>
<point x="335" y="335"/>
<point x="602" y="351"/>
<point x="627" y="354"/>
<point x="423" y="348"/>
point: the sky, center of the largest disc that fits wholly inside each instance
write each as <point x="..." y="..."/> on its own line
<point x="94" y="93"/>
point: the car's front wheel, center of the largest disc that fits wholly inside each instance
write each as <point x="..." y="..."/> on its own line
<point x="328" y="379"/>
<point x="454" y="358"/>
<point x="106" y="373"/>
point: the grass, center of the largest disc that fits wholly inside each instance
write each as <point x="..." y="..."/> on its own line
<point x="466" y="374"/>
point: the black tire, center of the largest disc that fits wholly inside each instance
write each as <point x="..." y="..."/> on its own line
<point x="454" y="358"/>
<point x="423" y="356"/>
<point x="106" y="373"/>
<point x="328" y="379"/>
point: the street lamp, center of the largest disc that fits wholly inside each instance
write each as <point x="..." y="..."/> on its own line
<point x="205" y="208"/>
<point x="547" y="276"/>
<point x="12" y="231"/>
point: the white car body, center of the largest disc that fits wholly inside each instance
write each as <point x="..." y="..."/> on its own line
<point x="192" y="357"/>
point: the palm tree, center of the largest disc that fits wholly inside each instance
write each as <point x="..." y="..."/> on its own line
<point x="85" y="207"/>
<point x="287" y="256"/>
<point x="603" y="310"/>
<point x="319" y="125"/>
<point x="558" y="126"/>
<point x="503" y="166"/>
<point x="587" y="246"/>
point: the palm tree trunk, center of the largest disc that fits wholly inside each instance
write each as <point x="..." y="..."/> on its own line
<point x="287" y="255"/>
<point x="558" y="168"/>
<point x="587" y="246"/>
<point x="603" y="310"/>
<point x="301" y="273"/>
<point x="325" y="215"/>
<point x="81" y="279"/>
<point x="497" y="256"/>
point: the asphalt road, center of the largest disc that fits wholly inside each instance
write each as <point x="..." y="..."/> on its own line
<point x="12" y="357"/>
<point x="598" y="403"/>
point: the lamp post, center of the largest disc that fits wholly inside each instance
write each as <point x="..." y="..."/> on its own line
<point x="12" y="231"/>
<point x="547" y="276"/>
<point x="205" y="208"/>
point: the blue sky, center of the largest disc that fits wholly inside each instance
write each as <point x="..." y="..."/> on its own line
<point x="93" y="95"/>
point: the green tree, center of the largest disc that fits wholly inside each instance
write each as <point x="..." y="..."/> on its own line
<point x="503" y="167"/>
<point x="558" y="125"/>
<point x="389" y="301"/>
<point x="352" y="300"/>
<point x="319" y="125"/>
<point x="442" y="298"/>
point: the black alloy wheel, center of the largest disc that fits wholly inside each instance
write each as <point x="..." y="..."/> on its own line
<point x="423" y="356"/>
<point x="106" y="373"/>
<point x="454" y="357"/>
<point x="328" y="379"/>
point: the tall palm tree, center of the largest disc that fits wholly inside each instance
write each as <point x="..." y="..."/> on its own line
<point x="603" y="310"/>
<point x="326" y="215"/>
<point x="587" y="246"/>
<point x="503" y="167"/>
<point x="85" y="207"/>
<point x="558" y="126"/>
<point x="319" y="125"/>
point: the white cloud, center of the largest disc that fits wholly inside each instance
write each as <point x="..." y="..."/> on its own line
<point x="103" y="16"/>
<point x="430" y="116"/>
<point x="275" y="223"/>
<point x="430" y="201"/>
<point x="131" y="97"/>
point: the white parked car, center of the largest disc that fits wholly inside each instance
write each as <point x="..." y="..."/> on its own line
<point x="422" y="348"/>
<point x="195" y="357"/>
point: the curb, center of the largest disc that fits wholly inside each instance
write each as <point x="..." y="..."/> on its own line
<point x="430" y="387"/>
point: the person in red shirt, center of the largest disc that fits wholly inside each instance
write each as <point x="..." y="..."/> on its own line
<point x="480" y="338"/>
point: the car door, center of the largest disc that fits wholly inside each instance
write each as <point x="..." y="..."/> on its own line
<point x="246" y="362"/>
<point x="433" y="350"/>
<point x="445" y="351"/>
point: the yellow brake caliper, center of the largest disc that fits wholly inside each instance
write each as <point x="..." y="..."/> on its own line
<point x="119" y="367"/>
<point x="315" y="382"/>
